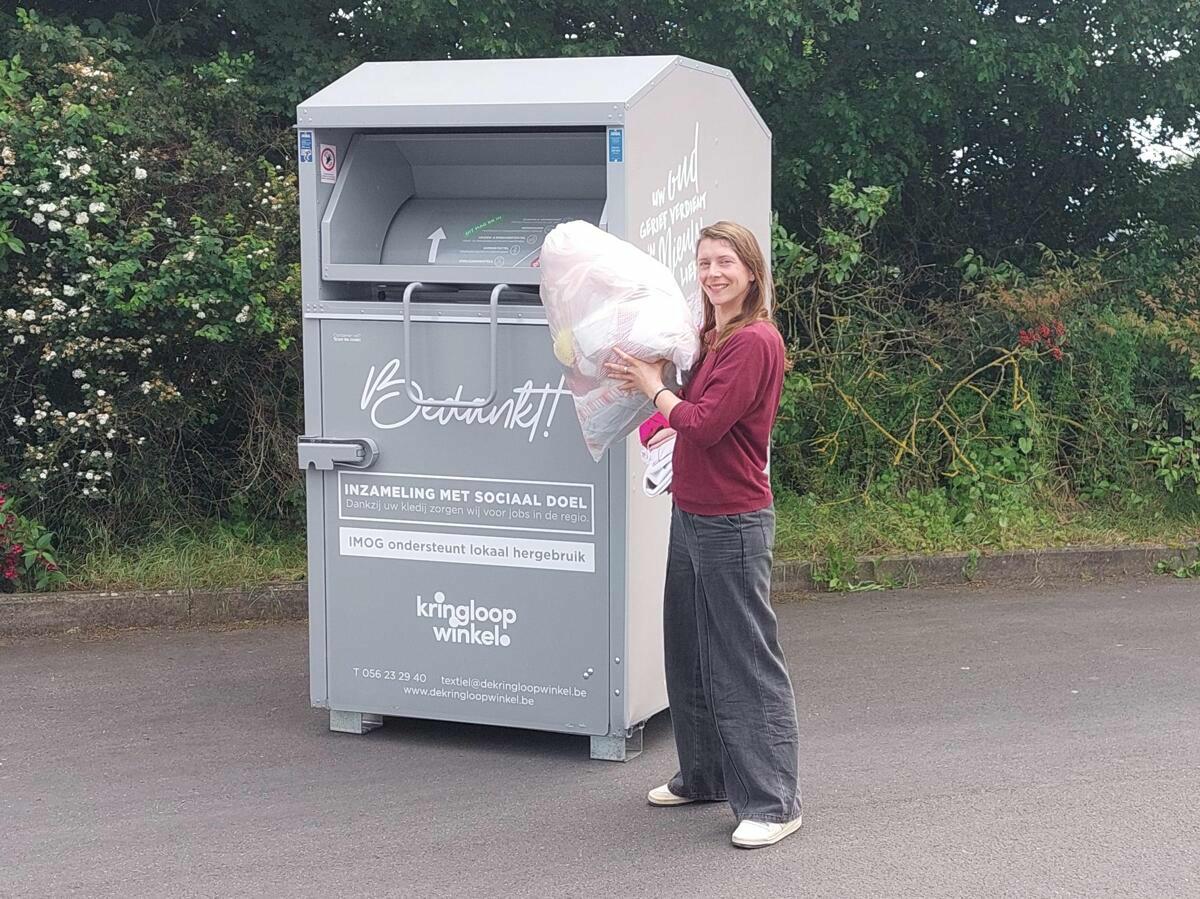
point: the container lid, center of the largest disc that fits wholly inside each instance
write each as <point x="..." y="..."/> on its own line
<point x="565" y="92"/>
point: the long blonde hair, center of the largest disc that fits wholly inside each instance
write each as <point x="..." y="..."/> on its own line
<point x="760" y="296"/>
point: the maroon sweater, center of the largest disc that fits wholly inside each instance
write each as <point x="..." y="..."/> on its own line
<point x="724" y="426"/>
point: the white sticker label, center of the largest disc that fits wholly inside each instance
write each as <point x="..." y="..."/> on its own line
<point x="328" y="163"/>
<point x="468" y="549"/>
<point x="474" y="503"/>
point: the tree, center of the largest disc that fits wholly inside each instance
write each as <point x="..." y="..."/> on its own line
<point x="1003" y="124"/>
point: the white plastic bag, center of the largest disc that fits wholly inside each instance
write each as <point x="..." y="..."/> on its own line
<point x="658" y="460"/>
<point x="599" y="293"/>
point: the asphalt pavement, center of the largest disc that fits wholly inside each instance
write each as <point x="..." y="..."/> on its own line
<point x="1026" y="742"/>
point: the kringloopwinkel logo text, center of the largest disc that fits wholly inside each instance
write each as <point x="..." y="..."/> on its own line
<point x="470" y="622"/>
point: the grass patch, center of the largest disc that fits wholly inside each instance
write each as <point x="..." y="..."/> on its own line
<point x="829" y="532"/>
<point x="818" y="529"/>
<point x="205" y="555"/>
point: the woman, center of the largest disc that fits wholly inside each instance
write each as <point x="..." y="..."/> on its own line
<point x="732" y="705"/>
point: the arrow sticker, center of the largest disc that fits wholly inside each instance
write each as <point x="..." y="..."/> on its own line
<point x="435" y="238"/>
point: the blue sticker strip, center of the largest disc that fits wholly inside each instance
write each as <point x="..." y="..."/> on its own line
<point x="306" y="146"/>
<point x="616" y="144"/>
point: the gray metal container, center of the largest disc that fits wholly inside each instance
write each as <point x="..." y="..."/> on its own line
<point x="468" y="561"/>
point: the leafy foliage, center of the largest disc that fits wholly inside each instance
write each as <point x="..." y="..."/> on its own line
<point x="1000" y="125"/>
<point x="27" y="555"/>
<point x="1010" y="396"/>
<point x="987" y="282"/>
<point x="148" y="311"/>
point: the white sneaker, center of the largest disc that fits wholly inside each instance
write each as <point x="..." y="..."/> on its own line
<point x="663" y="796"/>
<point x="754" y="834"/>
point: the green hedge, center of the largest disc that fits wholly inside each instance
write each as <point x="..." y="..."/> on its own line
<point x="149" y="297"/>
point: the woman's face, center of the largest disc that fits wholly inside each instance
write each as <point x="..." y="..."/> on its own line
<point x="724" y="277"/>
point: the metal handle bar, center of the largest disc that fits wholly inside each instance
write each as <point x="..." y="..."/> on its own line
<point x="450" y="404"/>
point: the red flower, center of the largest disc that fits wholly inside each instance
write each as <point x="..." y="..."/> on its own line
<point x="1060" y="329"/>
<point x="1025" y="338"/>
<point x="1044" y="331"/>
<point x="1057" y="353"/>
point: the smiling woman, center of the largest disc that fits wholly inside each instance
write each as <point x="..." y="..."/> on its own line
<point x="732" y="705"/>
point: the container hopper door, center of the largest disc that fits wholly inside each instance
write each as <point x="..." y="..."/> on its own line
<point x="467" y="569"/>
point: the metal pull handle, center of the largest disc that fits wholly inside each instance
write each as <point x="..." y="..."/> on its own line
<point x="450" y="404"/>
<point x="326" y="453"/>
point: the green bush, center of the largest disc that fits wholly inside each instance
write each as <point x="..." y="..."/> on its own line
<point x="149" y="282"/>
<point x="150" y="290"/>
<point x="27" y="553"/>
<point x="1016" y="393"/>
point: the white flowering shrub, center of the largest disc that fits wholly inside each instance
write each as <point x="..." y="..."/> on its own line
<point x="148" y="283"/>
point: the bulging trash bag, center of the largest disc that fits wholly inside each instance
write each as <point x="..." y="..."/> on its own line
<point x="599" y="293"/>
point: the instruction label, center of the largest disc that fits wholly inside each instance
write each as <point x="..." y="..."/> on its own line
<point x="476" y="503"/>
<point x="306" y="146"/>
<point x="480" y="233"/>
<point x="503" y="241"/>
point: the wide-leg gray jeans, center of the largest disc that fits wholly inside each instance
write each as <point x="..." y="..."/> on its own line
<point x="732" y="705"/>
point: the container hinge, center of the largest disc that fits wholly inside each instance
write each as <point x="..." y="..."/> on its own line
<point x="327" y="453"/>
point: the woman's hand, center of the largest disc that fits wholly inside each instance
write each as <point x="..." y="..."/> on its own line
<point x="659" y="436"/>
<point x="634" y="374"/>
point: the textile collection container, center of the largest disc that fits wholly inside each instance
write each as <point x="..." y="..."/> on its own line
<point x="468" y="561"/>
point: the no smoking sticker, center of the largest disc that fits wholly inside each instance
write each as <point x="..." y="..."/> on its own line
<point x="328" y="163"/>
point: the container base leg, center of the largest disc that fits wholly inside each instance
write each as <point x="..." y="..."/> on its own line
<point x="353" y="722"/>
<point x="618" y="747"/>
